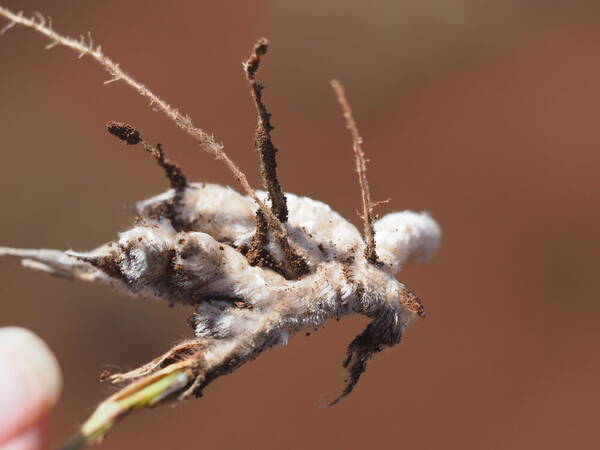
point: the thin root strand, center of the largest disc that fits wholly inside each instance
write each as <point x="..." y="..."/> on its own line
<point x="262" y="140"/>
<point x="361" y="169"/>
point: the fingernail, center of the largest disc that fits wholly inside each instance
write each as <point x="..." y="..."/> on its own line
<point x="30" y="381"/>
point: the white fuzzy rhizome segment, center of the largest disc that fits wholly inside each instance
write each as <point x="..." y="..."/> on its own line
<point x="240" y="309"/>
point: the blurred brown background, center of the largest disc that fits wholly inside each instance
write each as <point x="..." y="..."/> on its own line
<point x="485" y="113"/>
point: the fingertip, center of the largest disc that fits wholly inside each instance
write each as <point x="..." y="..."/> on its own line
<point x="30" y="381"/>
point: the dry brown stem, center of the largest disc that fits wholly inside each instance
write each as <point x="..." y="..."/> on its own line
<point x="262" y="139"/>
<point x="361" y="169"/>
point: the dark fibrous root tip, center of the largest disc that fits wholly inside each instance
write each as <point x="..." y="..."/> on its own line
<point x="124" y="132"/>
<point x="172" y="170"/>
<point x="355" y="371"/>
<point x="260" y="48"/>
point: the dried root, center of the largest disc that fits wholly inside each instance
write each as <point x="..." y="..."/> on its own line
<point x="361" y="169"/>
<point x="130" y="136"/>
<point x="262" y="139"/>
<point x="296" y="266"/>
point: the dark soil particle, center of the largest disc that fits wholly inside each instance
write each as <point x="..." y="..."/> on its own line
<point x="125" y="132"/>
